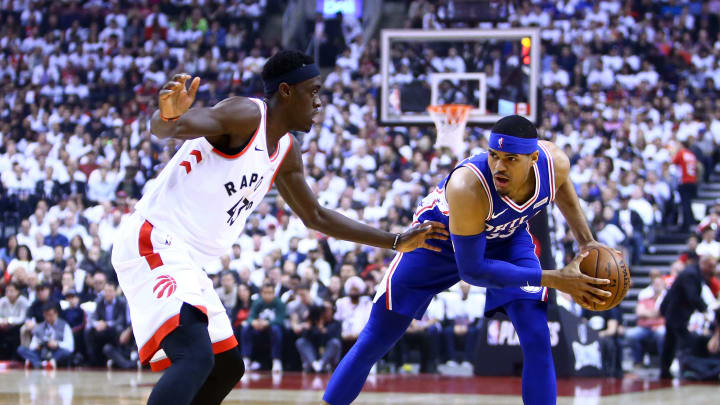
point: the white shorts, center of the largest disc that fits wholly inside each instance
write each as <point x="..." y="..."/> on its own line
<point x="157" y="274"/>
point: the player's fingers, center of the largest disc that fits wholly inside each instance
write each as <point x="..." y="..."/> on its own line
<point x="194" y="85"/>
<point x="179" y="77"/>
<point x="582" y="300"/>
<point x="436" y="235"/>
<point x="165" y="94"/>
<point x="430" y="247"/>
<point x="595" y="299"/>
<point x="581" y="256"/>
<point x="438" y="227"/>
<point x="596" y="281"/>
<point x="172" y="85"/>
<point x="598" y="292"/>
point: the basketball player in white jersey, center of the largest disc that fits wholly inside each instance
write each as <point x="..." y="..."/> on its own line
<point x="196" y="210"/>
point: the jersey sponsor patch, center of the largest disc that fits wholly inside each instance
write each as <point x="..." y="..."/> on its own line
<point x="541" y="202"/>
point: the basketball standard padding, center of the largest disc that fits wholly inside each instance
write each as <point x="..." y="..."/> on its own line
<point x="605" y="263"/>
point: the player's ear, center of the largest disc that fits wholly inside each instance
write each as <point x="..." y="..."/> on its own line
<point x="534" y="157"/>
<point x="284" y="90"/>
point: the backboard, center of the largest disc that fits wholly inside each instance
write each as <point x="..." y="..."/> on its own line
<point x="494" y="70"/>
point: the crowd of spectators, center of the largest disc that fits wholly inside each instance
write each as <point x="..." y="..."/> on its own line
<point x="628" y="92"/>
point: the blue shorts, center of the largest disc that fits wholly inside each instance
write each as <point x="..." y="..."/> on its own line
<point x="413" y="278"/>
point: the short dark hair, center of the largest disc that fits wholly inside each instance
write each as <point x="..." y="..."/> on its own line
<point x="516" y="125"/>
<point x="50" y="306"/>
<point x="283" y="62"/>
<point x="268" y="285"/>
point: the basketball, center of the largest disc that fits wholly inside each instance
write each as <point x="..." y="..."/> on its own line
<point x="606" y="263"/>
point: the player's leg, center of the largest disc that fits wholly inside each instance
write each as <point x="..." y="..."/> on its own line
<point x="383" y="329"/>
<point x="189" y="349"/>
<point x="529" y="317"/>
<point x="228" y="370"/>
<point x="229" y="366"/>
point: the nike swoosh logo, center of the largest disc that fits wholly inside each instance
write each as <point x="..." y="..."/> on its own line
<point x="256" y="148"/>
<point x="497" y="215"/>
<point x="541" y="202"/>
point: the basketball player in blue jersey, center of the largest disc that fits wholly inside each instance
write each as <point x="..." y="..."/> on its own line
<point x="486" y="202"/>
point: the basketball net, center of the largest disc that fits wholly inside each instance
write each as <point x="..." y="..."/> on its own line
<point x="450" y="121"/>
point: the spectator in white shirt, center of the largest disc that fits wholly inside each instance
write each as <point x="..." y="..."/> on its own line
<point x="555" y="76"/>
<point x="353" y="310"/>
<point x="25" y="236"/>
<point x="102" y="184"/>
<point x="362" y="159"/>
<point x="40" y="251"/>
<point x="640" y="205"/>
<point x="464" y="311"/>
<point x="608" y="233"/>
<point x="708" y="246"/>
<point x="601" y="75"/>
<point x="453" y="62"/>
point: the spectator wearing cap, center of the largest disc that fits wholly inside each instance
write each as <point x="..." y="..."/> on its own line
<point x="105" y="325"/>
<point x="13" y="309"/>
<point x="353" y="310"/>
<point x="649" y="332"/>
<point x="682" y="299"/>
<point x="52" y="341"/>
<point x="688" y="187"/>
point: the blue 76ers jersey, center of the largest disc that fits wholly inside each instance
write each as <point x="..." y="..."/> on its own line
<point x="505" y="216"/>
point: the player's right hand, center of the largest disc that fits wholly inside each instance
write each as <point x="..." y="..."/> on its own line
<point x="572" y="281"/>
<point x="174" y="98"/>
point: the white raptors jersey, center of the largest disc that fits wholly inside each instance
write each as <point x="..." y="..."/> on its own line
<point x="204" y="196"/>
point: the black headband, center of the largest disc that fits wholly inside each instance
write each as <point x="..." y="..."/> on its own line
<point x="296" y="76"/>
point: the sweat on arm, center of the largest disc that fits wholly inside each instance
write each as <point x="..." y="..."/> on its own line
<point x="469" y="209"/>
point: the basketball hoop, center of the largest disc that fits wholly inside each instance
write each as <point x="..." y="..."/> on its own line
<point x="450" y="121"/>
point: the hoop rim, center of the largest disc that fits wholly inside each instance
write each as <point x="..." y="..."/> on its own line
<point x="445" y="108"/>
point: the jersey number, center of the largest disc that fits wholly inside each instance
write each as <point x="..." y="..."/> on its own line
<point x="234" y="211"/>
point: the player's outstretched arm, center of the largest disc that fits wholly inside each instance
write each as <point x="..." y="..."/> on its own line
<point x="295" y="191"/>
<point x="469" y="209"/>
<point x="236" y="116"/>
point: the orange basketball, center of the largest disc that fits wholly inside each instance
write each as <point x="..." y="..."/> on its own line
<point x="606" y="263"/>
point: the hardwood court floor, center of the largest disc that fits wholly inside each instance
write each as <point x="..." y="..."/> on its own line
<point x="78" y="387"/>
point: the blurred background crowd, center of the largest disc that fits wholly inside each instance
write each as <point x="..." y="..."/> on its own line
<point x="629" y="90"/>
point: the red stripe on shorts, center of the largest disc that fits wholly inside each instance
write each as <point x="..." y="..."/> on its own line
<point x="146" y="247"/>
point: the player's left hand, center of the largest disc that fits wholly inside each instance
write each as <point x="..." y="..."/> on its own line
<point x="417" y="236"/>
<point x="595" y="244"/>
